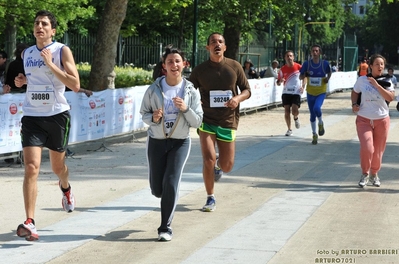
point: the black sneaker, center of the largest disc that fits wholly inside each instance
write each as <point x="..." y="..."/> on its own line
<point x="321" y="129"/>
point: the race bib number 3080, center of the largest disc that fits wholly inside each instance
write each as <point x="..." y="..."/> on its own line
<point x="218" y="98"/>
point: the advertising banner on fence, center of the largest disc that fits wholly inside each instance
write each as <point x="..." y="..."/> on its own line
<point x="117" y="111"/>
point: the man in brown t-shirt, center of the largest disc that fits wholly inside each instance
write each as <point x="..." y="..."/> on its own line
<point x="222" y="85"/>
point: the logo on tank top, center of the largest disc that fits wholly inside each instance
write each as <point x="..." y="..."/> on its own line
<point x="34" y="63"/>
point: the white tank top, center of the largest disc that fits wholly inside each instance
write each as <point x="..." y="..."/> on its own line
<point x="45" y="93"/>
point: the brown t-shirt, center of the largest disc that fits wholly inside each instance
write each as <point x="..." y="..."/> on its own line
<point x="226" y="75"/>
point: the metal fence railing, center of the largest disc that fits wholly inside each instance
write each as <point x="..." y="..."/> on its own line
<point x="136" y="51"/>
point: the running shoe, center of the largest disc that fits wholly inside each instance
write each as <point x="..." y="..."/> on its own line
<point x="217" y="171"/>
<point x="288" y="133"/>
<point x="210" y="205"/>
<point x="375" y="180"/>
<point x="165" y="236"/>
<point x="363" y="180"/>
<point x="68" y="200"/>
<point x="314" y="140"/>
<point x="297" y="123"/>
<point x="321" y="129"/>
<point x="28" y="230"/>
<point x="69" y="153"/>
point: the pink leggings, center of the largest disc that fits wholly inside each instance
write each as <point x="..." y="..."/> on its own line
<point x="373" y="136"/>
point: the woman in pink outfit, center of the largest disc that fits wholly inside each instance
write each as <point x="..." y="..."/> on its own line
<point x="370" y="96"/>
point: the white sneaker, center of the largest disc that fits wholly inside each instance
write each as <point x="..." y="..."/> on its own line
<point x="297" y="123"/>
<point x="68" y="200"/>
<point x="210" y="205"/>
<point x="289" y="133"/>
<point x="164" y="236"/>
<point x="363" y="180"/>
<point x="28" y="231"/>
<point x="375" y="180"/>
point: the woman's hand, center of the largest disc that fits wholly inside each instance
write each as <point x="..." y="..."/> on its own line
<point x="157" y="115"/>
<point x="179" y="104"/>
<point x="355" y="108"/>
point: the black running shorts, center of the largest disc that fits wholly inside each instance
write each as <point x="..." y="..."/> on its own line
<point x="51" y="132"/>
<point x="289" y="99"/>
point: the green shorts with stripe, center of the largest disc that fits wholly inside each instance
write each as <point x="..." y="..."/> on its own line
<point x="222" y="134"/>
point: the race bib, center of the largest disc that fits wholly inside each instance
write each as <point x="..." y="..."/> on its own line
<point x="41" y="95"/>
<point x="169" y="121"/>
<point x="218" y="98"/>
<point x="315" y="81"/>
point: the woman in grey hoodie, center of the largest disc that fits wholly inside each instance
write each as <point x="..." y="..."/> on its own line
<point x="171" y="105"/>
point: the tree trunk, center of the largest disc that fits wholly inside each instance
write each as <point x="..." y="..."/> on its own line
<point x="232" y="36"/>
<point x="11" y="36"/>
<point x="102" y="75"/>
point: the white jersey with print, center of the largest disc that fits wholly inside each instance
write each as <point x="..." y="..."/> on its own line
<point x="45" y="92"/>
<point x="170" y="110"/>
<point x="373" y="105"/>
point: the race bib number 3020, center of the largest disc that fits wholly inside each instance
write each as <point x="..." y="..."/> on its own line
<point x="218" y="97"/>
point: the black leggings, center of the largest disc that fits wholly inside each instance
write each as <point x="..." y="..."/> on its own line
<point x="166" y="160"/>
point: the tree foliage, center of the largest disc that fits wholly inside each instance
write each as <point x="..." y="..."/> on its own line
<point x="238" y="20"/>
<point x="17" y="16"/>
<point x="373" y="35"/>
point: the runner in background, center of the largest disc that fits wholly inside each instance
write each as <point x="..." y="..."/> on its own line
<point x="317" y="72"/>
<point x="292" y="91"/>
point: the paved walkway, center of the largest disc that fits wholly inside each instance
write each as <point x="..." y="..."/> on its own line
<point x="286" y="201"/>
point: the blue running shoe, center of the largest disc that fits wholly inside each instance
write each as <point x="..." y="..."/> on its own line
<point x="210" y="205"/>
<point x="218" y="171"/>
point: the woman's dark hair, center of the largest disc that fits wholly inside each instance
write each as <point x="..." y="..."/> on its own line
<point x="170" y="50"/>
<point x="376" y="56"/>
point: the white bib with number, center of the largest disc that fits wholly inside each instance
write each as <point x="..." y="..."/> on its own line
<point x="315" y="81"/>
<point x="218" y="98"/>
<point x="41" y="95"/>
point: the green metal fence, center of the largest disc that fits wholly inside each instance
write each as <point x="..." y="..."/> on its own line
<point x="135" y="51"/>
<point x="350" y="53"/>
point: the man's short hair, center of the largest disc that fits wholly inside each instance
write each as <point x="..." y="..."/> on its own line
<point x="316" y="46"/>
<point x="3" y="54"/>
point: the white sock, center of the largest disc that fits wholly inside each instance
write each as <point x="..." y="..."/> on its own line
<point x="313" y="124"/>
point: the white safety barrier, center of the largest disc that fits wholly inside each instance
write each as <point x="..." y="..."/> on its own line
<point x="116" y="111"/>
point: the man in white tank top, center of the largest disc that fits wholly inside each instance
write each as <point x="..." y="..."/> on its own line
<point x="49" y="67"/>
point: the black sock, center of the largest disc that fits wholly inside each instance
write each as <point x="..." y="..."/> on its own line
<point x="66" y="190"/>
